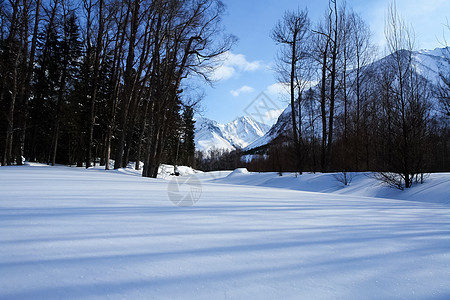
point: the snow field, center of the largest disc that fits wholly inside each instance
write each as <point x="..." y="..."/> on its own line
<point x="90" y="234"/>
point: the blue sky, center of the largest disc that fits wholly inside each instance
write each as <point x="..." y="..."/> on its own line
<point x="247" y="71"/>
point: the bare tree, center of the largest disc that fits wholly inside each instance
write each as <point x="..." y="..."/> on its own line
<point x="195" y="40"/>
<point x="328" y="51"/>
<point x="27" y="84"/>
<point x="130" y="79"/>
<point x="116" y="35"/>
<point x="292" y="34"/>
<point x="99" y="40"/>
<point x="321" y="49"/>
<point x="353" y="79"/>
<point x="363" y="53"/>
<point x="13" y="57"/>
<point x="406" y="101"/>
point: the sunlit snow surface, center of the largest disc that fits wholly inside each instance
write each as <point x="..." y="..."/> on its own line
<point x="68" y="233"/>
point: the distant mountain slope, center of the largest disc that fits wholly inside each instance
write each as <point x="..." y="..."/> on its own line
<point x="237" y="134"/>
<point x="430" y="62"/>
<point x="427" y="62"/>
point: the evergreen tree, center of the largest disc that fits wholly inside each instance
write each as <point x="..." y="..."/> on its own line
<point x="70" y="48"/>
<point x="43" y="105"/>
<point x="188" y="146"/>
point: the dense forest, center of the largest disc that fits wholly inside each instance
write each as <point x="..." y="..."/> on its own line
<point x="86" y="82"/>
<point x="83" y="82"/>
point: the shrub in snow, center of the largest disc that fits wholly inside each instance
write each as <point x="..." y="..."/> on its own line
<point x="397" y="180"/>
<point x="393" y="180"/>
<point x="344" y="177"/>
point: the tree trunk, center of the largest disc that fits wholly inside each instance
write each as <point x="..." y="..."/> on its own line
<point x="323" y="159"/>
<point x="292" y="96"/>
<point x="129" y="82"/>
<point x="93" y="98"/>
<point x="27" y="84"/>
<point x="114" y="83"/>
<point x="332" y="87"/>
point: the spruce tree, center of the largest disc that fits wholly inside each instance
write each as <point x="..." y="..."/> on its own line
<point x="188" y="147"/>
<point x="43" y="105"/>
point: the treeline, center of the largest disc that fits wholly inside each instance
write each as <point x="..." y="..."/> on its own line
<point x="218" y="159"/>
<point x="348" y="113"/>
<point x="103" y="79"/>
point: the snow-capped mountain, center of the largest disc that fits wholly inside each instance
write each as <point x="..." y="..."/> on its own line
<point x="237" y="134"/>
<point x="428" y="63"/>
<point x="283" y="126"/>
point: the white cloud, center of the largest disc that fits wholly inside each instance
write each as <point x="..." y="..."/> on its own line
<point x="240" y="62"/>
<point x="277" y="89"/>
<point x="230" y="64"/>
<point x="223" y="73"/>
<point x="242" y="90"/>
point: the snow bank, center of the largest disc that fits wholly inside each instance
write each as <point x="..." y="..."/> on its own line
<point x="165" y="171"/>
<point x="436" y="188"/>
<point x="238" y="171"/>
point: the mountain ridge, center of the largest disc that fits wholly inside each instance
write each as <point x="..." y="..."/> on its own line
<point x="237" y="134"/>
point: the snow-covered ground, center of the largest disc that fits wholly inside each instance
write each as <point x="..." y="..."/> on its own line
<point x="436" y="188"/>
<point x="68" y="233"/>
